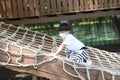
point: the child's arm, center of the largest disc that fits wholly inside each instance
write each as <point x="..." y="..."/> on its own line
<point x="60" y="48"/>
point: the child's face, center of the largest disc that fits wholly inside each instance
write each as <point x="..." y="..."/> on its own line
<point x="63" y="34"/>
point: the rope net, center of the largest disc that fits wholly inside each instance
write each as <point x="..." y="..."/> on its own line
<point x="35" y="46"/>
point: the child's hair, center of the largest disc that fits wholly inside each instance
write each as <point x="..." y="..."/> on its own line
<point x="64" y="27"/>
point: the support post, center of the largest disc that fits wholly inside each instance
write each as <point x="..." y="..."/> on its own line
<point x="34" y="77"/>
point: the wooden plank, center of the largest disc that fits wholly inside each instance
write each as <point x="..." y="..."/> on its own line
<point x="2" y="10"/>
<point x="96" y="4"/>
<point x="53" y="6"/>
<point x="87" y="5"/>
<point x="48" y="9"/>
<point x="106" y="4"/>
<point x="76" y="5"/>
<point x="51" y="71"/>
<point x="59" y="6"/>
<point x="99" y="76"/>
<point x="91" y="4"/>
<point x="26" y="5"/>
<point x="108" y="76"/>
<point x="20" y="8"/>
<point x="14" y="7"/>
<point x="42" y="6"/>
<point x="64" y="5"/>
<point x="101" y="3"/>
<point x="119" y="3"/>
<point x="70" y="5"/>
<point x="9" y="9"/>
<point x="110" y="3"/>
<point x="115" y="3"/>
<point x="36" y="5"/>
<point x="31" y="8"/>
<point x="81" y="5"/>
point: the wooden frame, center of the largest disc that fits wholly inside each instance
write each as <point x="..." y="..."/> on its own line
<point x="45" y="19"/>
<point x="40" y="11"/>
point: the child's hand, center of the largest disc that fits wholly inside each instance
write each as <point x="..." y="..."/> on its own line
<point x="53" y="50"/>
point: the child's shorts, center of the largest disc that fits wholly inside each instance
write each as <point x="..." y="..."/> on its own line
<point x="79" y="57"/>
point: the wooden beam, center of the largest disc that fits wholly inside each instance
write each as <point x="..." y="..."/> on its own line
<point x="45" y="19"/>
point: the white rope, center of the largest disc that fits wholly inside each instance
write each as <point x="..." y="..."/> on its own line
<point x="21" y="56"/>
<point x="51" y="59"/>
<point x="113" y="77"/>
<point x="54" y="42"/>
<point x="36" y="59"/>
<point x="110" y="54"/>
<point x="101" y="66"/>
<point x="24" y="35"/>
<point x="88" y="73"/>
<point x="74" y="67"/>
<point x="43" y="42"/>
<point x="112" y="70"/>
<point x="4" y="31"/>
<point x="42" y="62"/>
<point x="9" y="57"/>
<point x="109" y="62"/>
<point x="33" y="39"/>
<point x="15" y="32"/>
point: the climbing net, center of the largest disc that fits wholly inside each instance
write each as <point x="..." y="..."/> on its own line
<point x="23" y="42"/>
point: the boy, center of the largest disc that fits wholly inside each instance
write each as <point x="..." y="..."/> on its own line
<point x="76" y="50"/>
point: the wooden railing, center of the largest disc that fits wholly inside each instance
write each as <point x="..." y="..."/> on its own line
<point x="30" y="8"/>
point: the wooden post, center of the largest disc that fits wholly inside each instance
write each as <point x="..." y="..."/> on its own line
<point x="41" y="78"/>
<point x="34" y="77"/>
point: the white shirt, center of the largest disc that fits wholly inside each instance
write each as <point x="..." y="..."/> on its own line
<point x="72" y="43"/>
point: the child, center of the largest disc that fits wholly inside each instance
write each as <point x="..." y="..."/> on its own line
<point x="76" y="50"/>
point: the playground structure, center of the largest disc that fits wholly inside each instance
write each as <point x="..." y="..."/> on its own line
<point x="30" y="52"/>
<point x="19" y="12"/>
<point x="27" y="51"/>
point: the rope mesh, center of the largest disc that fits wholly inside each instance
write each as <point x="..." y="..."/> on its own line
<point x="102" y="60"/>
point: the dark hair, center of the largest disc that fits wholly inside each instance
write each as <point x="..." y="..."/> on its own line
<point x="64" y="27"/>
